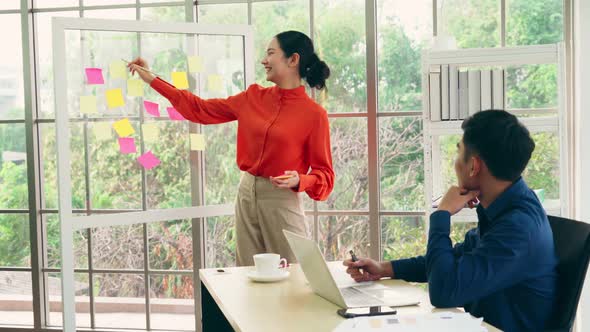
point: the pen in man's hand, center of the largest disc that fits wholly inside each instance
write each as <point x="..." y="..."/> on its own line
<point x="354" y="259"/>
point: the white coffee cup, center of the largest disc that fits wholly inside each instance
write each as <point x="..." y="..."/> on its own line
<point x="268" y="264"/>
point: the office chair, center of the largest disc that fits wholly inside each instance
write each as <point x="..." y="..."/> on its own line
<point x="572" y="244"/>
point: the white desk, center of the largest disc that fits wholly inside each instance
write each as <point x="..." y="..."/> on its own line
<point x="230" y="301"/>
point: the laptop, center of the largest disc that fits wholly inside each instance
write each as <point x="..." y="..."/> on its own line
<point x="322" y="282"/>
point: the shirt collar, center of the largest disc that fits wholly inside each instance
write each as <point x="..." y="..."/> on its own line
<point x="504" y="201"/>
<point x="297" y="92"/>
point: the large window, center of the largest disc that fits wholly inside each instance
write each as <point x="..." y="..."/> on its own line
<point x="147" y="272"/>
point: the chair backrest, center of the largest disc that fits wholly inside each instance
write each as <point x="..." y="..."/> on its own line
<point x="572" y="244"/>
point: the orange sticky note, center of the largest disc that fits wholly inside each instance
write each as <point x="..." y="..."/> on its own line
<point x="88" y="104"/>
<point x="375" y="323"/>
<point x="197" y="142"/>
<point x="123" y="128"/>
<point x="115" y="98"/>
<point x="180" y="80"/>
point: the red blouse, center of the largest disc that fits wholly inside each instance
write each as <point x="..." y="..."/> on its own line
<point x="278" y="130"/>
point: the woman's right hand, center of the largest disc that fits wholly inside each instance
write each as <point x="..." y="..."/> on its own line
<point x="136" y="65"/>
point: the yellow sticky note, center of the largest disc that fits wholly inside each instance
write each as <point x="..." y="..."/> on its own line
<point x="134" y="87"/>
<point x="123" y="128"/>
<point x="102" y="131"/>
<point x="180" y="80"/>
<point x="197" y="142"/>
<point x="115" y="98"/>
<point x="150" y="132"/>
<point x="215" y="83"/>
<point x="118" y="69"/>
<point x="195" y="64"/>
<point x="88" y="104"/>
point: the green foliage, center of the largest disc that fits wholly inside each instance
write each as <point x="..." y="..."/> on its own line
<point x="14" y="240"/>
<point x="270" y="19"/>
<point x="533" y="86"/>
<point x="400" y="86"/>
<point x="474" y="23"/>
<point x="403" y="237"/>
<point x="534" y="22"/>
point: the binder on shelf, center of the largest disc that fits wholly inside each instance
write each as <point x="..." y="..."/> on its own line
<point x="463" y="95"/>
<point x="498" y="89"/>
<point x="474" y="86"/>
<point x="444" y="90"/>
<point x="486" y="89"/>
<point x="453" y="92"/>
<point x="434" y="92"/>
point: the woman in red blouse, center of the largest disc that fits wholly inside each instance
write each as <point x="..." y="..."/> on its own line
<point x="283" y="142"/>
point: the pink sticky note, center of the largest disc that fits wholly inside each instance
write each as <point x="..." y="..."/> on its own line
<point x="94" y="76"/>
<point x="151" y="108"/>
<point x="148" y="160"/>
<point x="127" y="145"/>
<point x="173" y="114"/>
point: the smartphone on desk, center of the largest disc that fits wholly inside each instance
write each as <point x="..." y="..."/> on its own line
<point x="368" y="311"/>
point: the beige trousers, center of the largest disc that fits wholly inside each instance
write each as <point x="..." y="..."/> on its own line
<point x="262" y="212"/>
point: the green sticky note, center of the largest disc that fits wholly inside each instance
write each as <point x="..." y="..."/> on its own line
<point x="179" y="79"/>
<point x="88" y="105"/>
<point x="134" y="87"/>
<point x="195" y="64"/>
<point x="118" y="69"/>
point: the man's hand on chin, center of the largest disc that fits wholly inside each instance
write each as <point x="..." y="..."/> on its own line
<point x="456" y="198"/>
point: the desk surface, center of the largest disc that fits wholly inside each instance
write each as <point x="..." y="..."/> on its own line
<point x="289" y="304"/>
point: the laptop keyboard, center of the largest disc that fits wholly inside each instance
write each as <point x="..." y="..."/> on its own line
<point x="354" y="297"/>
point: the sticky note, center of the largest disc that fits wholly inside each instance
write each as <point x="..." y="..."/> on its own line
<point x="215" y="83"/>
<point x="94" y="76"/>
<point x="195" y="64"/>
<point x="148" y="160"/>
<point x="150" y="132"/>
<point x="123" y="128"/>
<point x="375" y="323"/>
<point x="118" y="69"/>
<point x="88" y="104"/>
<point x="152" y="108"/>
<point x="197" y="142"/>
<point x="115" y="98"/>
<point x="173" y="114"/>
<point x="180" y="80"/>
<point x="102" y="131"/>
<point x="134" y="87"/>
<point x="127" y="145"/>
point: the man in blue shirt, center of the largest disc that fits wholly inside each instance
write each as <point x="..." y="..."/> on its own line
<point x="505" y="269"/>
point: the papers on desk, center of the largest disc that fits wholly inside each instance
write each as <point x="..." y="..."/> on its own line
<point x="438" y="321"/>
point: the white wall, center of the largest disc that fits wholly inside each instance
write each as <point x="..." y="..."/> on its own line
<point x="582" y="89"/>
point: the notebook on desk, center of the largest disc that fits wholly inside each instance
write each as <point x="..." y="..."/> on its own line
<point x="323" y="283"/>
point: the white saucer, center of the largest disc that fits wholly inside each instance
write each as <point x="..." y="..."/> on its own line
<point x="255" y="276"/>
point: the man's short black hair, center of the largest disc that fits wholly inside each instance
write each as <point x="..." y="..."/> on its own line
<point x="500" y="140"/>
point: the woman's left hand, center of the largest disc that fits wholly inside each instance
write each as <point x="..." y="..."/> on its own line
<point x="289" y="183"/>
